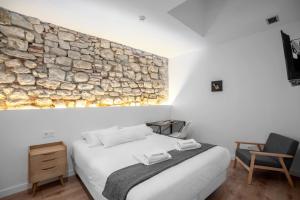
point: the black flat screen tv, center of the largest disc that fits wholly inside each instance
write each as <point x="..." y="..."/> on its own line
<point x="292" y="62"/>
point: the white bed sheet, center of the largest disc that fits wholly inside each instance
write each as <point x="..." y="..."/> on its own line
<point x="181" y="182"/>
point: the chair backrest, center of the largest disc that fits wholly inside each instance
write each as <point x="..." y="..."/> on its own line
<point x="280" y="144"/>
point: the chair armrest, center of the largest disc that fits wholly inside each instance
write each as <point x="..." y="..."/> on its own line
<point x="251" y="143"/>
<point x="278" y="155"/>
<point x="259" y="145"/>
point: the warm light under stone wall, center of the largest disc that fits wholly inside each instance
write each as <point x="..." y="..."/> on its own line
<point x="44" y="65"/>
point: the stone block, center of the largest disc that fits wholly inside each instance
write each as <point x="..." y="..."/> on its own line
<point x="83" y="86"/>
<point x="107" y="54"/>
<point x="33" y="20"/>
<point x="64" y="61"/>
<point x="7" y="77"/>
<point x="17" y="44"/>
<point x="21" y="70"/>
<point x="11" y="31"/>
<point x="30" y="64"/>
<point x="58" y="52"/>
<point x="18" y="54"/>
<point x="20" y="21"/>
<point x="82" y="64"/>
<point x="26" y="79"/>
<point x="18" y="95"/>
<point x="81" y="77"/>
<point x="105" y="44"/>
<point x="49" y="84"/>
<point x="74" y="54"/>
<point x="67" y="86"/>
<point x="57" y="74"/>
<point x="51" y="36"/>
<point x="13" y="63"/>
<point x="44" y="102"/>
<point x="66" y="36"/>
<point x="64" y="45"/>
<point x="38" y="28"/>
<point x="79" y="45"/>
<point x="50" y="43"/>
<point x="4" y="17"/>
<point x="29" y="36"/>
<point x="135" y="67"/>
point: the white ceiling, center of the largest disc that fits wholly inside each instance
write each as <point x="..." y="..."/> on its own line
<point x="172" y="27"/>
<point x="223" y="20"/>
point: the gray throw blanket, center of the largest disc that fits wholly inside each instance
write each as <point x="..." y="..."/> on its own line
<point x="120" y="182"/>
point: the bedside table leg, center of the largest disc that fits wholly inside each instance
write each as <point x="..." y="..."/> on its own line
<point x="61" y="178"/>
<point x="34" y="187"/>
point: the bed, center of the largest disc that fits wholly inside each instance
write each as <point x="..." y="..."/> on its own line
<point x="193" y="179"/>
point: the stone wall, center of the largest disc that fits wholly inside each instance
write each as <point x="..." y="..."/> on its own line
<point x="44" y="65"/>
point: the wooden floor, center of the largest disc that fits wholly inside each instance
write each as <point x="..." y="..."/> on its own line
<point x="265" y="186"/>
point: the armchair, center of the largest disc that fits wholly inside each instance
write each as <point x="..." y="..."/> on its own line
<point x="276" y="155"/>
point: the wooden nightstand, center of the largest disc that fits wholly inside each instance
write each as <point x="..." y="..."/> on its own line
<point x="46" y="161"/>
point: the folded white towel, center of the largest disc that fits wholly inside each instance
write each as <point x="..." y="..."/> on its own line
<point x="150" y="158"/>
<point x="183" y="145"/>
<point x="156" y="156"/>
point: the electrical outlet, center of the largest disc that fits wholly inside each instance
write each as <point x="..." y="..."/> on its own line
<point x="49" y="135"/>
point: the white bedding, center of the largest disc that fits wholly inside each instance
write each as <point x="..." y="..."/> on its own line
<point x="181" y="182"/>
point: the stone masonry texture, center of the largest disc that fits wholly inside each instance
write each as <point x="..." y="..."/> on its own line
<point x="44" y="65"/>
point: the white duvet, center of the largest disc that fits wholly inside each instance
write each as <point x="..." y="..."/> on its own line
<point x="183" y="181"/>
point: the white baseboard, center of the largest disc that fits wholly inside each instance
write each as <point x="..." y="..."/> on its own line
<point x="22" y="187"/>
<point x="14" y="189"/>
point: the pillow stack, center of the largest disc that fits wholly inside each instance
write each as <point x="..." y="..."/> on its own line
<point x="114" y="135"/>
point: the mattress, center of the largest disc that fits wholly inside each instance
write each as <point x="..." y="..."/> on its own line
<point x="183" y="181"/>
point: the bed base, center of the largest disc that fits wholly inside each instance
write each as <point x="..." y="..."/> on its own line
<point x="202" y="195"/>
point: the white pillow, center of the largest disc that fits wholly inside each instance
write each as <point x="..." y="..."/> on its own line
<point x="101" y="133"/>
<point x="141" y="128"/>
<point x="125" y="135"/>
<point x="91" y="137"/>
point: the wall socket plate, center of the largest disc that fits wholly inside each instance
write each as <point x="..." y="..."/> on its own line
<point x="48" y="135"/>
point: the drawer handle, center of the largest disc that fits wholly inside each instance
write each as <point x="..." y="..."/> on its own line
<point x="49" y="168"/>
<point x="46" y="154"/>
<point x="48" y="160"/>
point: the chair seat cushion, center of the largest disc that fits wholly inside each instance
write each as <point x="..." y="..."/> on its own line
<point x="245" y="156"/>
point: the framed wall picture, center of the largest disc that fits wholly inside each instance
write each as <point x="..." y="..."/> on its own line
<point x="217" y="86"/>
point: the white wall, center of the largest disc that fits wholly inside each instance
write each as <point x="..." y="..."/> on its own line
<point x="257" y="97"/>
<point x="21" y="128"/>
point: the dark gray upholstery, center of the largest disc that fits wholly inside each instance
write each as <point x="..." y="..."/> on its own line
<point x="275" y="144"/>
<point x="280" y="144"/>
<point x="295" y="168"/>
<point x="245" y="156"/>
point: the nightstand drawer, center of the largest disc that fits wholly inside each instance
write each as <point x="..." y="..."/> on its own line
<point x="48" y="156"/>
<point x="47" y="162"/>
<point x="44" y="173"/>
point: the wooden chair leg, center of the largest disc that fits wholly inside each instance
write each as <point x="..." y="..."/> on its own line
<point x="251" y="169"/>
<point x="286" y="172"/>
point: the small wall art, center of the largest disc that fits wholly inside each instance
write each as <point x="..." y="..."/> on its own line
<point x="217" y="86"/>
